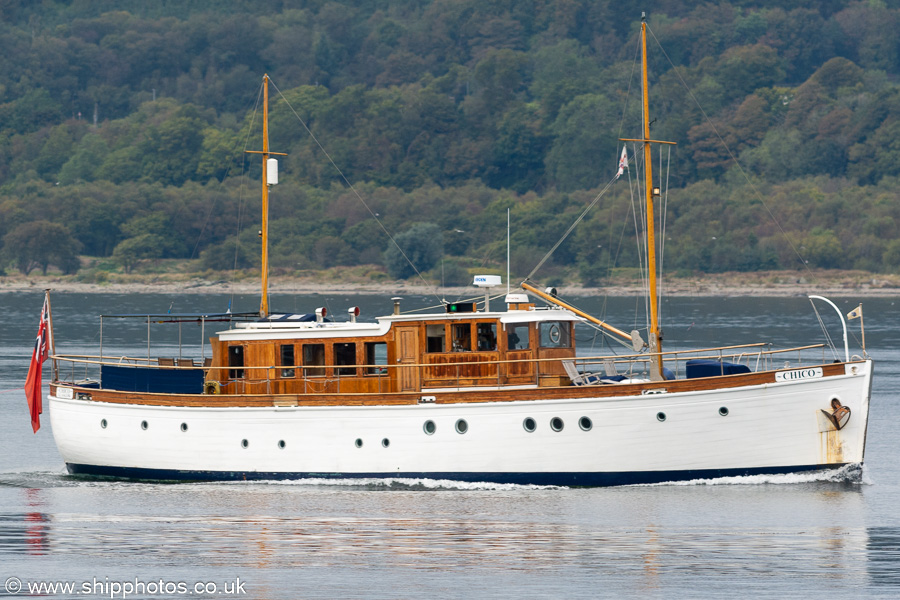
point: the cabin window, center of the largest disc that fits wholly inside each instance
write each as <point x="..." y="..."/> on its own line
<point x="462" y="337"/>
<point x="236" y="359"/>
<point x="517" y="336"/>
<point x="314" y="360"/>
<point x="376" y="358"/>
<point x="487" y="337"/>
<point x="345" y="355"/>
<point x="434" y="338"/>
<point x="556" y="334"/>
<point x="287" y="359"/>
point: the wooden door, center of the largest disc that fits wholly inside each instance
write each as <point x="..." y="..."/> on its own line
<point x="408" y="354"/>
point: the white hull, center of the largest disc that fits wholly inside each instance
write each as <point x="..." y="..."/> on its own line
<point x="769" y="428"/>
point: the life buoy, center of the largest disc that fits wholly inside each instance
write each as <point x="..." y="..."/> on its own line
<point x="212" y="387"/>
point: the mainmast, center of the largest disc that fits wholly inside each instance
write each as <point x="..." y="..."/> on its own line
<point x="655" y="339"/>
<point x="266" y="182"/>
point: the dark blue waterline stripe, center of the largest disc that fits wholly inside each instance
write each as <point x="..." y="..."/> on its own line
<point x="562" y="479"/>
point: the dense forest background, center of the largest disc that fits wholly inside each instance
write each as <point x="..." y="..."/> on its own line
<point x="123" y="125"/>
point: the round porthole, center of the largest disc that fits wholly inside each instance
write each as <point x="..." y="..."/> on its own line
<point x="556" y="424"/>
<point x="723" y="411"/>
<point x="385" y="442"/>
<point x="462" y="426"/>
<point x="103" y="423"/>
<point x="529" y="424"/>
<point x="585" y="423"/>
<point x="429" y="427"/>
<point x="184" y="427"/>
<point x="144" y="425"/>
<point x="358" y="443"/>
<point x="245" y="444"/>
<point x="281" y="444"/>
<point x="660" y="416"/>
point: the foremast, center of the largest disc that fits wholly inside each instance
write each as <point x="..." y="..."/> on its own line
<point x="655" y="338"/>
<point x="264" y="229"/>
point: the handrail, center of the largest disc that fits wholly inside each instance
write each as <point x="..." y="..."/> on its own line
<point x="672" y="355"/>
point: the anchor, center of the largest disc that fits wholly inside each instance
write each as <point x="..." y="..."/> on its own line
<point x="840" y="416"/>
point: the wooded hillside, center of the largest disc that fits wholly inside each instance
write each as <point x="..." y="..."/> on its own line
<point x="123" y="125"/>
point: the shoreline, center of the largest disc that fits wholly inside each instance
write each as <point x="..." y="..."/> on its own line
<point x="708" y="286"/>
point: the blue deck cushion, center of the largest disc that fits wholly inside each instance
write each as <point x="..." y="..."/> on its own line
<point x="703" y="367"/>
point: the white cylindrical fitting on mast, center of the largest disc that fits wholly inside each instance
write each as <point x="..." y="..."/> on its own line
<point x="272" y="171"/>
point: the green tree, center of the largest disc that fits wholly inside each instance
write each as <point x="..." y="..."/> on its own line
<point x="422" y="244"/>
<point x="40" y="244"/>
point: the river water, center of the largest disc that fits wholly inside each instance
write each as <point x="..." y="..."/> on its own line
<point x="772" y="537"/>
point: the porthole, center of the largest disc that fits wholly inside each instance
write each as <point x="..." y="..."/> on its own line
<point x="462" y="426"/>
<point x="556" y="424"/>
<point x="529" y="424"/>
<point x="385" y="442"/>
<point x="723" y="411"/>
<point x="358" y="443"/>
<point x="103" y="423"/>
<point x="144" y="425"/>
<point x="660" y="416"/>
<point x="245" y="444"/>
<point x="184" y="427"/>
<point x="585" y="423"/>
<point x="281" y="444"/>
<point x="429" y="427"/>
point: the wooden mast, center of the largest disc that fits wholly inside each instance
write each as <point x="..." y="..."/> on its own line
<point x="264" y="230"/>
<point x="655" y="340"/>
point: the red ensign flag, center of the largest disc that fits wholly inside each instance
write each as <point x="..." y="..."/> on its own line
<point x="33" y="381"/>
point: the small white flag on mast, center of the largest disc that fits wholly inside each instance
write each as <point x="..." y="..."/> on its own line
<point x="623" y="162"/>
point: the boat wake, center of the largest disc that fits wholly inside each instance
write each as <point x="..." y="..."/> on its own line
<point x="849" y="474"/>
<point x="400" y="483"/>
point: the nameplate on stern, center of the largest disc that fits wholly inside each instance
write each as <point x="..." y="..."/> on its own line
<point x="798" y="374"/>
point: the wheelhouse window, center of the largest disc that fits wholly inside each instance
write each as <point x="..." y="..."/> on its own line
<point x="556" y="334"/>
<point x="236" y="359"/>
<point x="287" y="360"/>
<point x="486" y="336"/>
<point x="517" y="336"/>
<point x="314" y="360"/>
<point x="376" y="358"/>
<point x="345" y="358"/>
<point x="434" y="338"/>
<point x="462" y="337"/>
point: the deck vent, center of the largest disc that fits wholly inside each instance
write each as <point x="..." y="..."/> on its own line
<point x="321" y="313"/>
<point x="353" y="311"/>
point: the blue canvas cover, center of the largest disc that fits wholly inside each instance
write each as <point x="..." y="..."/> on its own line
<point x="703" y="367"/>
<point x="151" y="379"/>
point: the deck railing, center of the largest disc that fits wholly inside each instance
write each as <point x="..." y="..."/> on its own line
<point x="380" y="378"/>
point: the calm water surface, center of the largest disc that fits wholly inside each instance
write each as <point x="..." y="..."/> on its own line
<point x="786" y="536"/>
